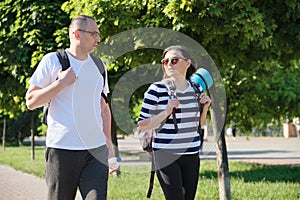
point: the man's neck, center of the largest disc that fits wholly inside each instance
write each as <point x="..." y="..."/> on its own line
<point x="76" y="53"/>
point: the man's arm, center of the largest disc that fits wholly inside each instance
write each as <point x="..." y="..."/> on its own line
<point x="37" y="97"/>
<point x="106" y="118"/>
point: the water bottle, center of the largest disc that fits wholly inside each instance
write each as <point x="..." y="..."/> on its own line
<point x="113" y="164"/>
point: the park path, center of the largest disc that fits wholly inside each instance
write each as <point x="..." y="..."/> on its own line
<point x="262" y="150"/>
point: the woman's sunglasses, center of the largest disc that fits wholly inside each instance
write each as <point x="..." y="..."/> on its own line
<point x="173" y="60"/>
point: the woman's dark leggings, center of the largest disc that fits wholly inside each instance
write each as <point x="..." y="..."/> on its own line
<point x="177" y="175"/>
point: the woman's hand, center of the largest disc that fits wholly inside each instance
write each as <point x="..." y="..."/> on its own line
<point x="172" y="103"/>
<point x="205" y="100"/>
<point x="154" y="121"/>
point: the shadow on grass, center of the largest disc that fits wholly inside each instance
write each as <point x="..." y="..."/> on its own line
<point x="249" y="172"/>
<point x="249" y="154"/>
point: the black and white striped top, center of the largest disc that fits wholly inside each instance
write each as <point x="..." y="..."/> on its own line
<point x="186" y="140"/>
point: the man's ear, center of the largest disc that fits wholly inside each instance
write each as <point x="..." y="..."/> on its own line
<point x="76" y="34"/>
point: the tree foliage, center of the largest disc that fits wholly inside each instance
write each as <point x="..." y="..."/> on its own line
<point x="254" y="43"/>
<point x="27" y="32"/>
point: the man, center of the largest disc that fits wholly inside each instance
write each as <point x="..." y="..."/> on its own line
<point x="78" y="136"/>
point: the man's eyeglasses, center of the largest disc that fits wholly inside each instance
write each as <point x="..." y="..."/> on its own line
<point x="94" y="34"/>
<point x="173" y="60"/>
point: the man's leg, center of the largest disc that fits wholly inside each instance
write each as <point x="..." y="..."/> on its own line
<point x="94" y="176"/>
<point x="63" y="169"/>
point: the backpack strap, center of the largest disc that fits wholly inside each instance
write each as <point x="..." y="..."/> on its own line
<point x="101" y="68"/>
<point x="152" y="175"/>
<point x="169" y="83"/>
<point x="198" y="93"/>
<point x="65" y="64"/>
<point x="63" y="59"/>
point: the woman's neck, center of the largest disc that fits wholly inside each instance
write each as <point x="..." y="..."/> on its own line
<point x="180" y="83"/>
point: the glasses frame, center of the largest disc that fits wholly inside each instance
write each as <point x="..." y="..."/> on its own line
<point x="94" y="34"/>
<point x="174" y="60"/>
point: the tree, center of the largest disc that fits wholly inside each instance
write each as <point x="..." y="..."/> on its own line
<point x="247" y="40"/>
<point x="27" y="31"/>
<point x="254" y="44"/>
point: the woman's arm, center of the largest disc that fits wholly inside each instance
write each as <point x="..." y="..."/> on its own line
<point x="155" y="121"/>
<point x="206" y="101"/>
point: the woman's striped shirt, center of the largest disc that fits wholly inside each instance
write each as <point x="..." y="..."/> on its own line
<point x="186" y="140"/>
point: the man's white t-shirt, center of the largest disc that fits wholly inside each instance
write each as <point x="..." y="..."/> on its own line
<point x="74" y="117"/>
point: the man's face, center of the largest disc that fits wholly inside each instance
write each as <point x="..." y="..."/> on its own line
<point x="89" y="37"/>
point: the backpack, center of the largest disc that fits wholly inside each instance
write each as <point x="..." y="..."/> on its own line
<point x="146" y="137"/>
<point x="65" y="64"/>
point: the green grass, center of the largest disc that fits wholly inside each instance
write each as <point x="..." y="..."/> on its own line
<point x="20" y="159"/>
<point x="248" y="181"/>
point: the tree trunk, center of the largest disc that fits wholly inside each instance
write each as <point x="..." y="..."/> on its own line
<point x="19" y="138"/>
<point x="218" y="118"/>
<point x="223" y="169"/>
<point x="32" y="135"/>
<point x="3" y="135"/>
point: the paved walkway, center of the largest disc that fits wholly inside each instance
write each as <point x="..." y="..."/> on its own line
<point x="15" y="185"/>
<point x="271" y="151"/>
<point x="268" y="150"/>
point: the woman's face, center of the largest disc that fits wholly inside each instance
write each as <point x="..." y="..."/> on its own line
<point x="175" y="64"/>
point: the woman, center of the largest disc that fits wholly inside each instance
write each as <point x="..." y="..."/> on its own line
<point x="176" y="143"/>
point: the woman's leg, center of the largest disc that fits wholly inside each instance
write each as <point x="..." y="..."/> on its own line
<point x="190" y="165"/>
<point x="169" y="175"/>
